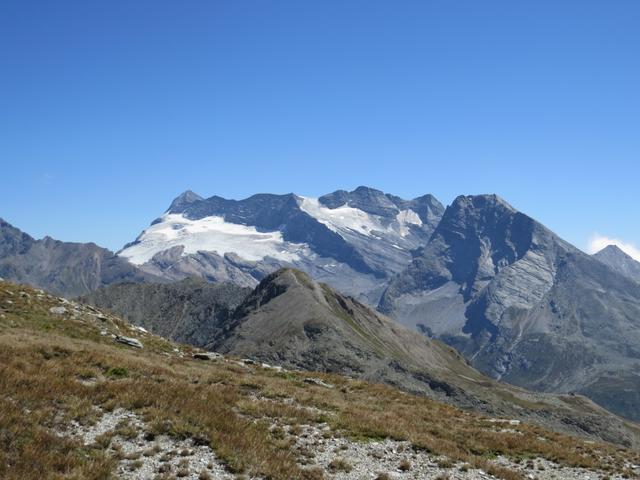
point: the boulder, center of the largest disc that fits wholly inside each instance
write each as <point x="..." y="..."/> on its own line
<point x="132" y="342"/>
<point x="207" y="356"/>
<point x="317" y="381"/>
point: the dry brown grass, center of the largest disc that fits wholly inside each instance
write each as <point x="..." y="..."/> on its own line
<point x="45" y="360"/>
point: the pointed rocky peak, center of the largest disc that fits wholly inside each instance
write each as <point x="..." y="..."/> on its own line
<point x="472" y="217"/>
<point x="428" y="208"/>
<point x="287" y="278"/>
<point x="183" y="200"/>
<point x="612" y="251"/>
<point x="481" y="202"/>
<point x="430" y="201"/>
<point x="614" y="257"/>
<point x="278" y="283"/>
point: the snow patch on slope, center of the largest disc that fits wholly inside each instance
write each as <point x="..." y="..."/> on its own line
<point x="347" y="220"/>
<point x="406" y="218"/>
<point x="341" y="219"/>
<point x="210" y="234"/>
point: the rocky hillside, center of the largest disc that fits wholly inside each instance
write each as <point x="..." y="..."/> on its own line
<point x="85" y="395"/>
<point x="523" y="305"/>
<point x="294" y="322"/>
<point x="64" y="268"/>
<point x="189" y="311"/>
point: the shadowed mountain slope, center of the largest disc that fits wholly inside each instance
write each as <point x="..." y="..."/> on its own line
<point x="189" y="311"/>
<point x="523" y="305"/>
<point x="65" y="268"/>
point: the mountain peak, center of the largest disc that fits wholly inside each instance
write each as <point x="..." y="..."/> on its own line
<point x="363" y="198"/>
<point x="612" y="250"/>
<point x="363" y="189"/>
<point x="482" y="201"/>
<point x="287" y="276"/>
<point x="185" y="198"/>
<point x="620" y="261"/>
<point x="281" y="281"/>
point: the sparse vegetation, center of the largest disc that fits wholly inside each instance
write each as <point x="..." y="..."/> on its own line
<point x="221" y="404"/>
<point x="383" y="476"/>
<point x="340" y="465"/>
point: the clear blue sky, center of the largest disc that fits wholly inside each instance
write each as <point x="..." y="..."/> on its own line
<point x="110" y="109"/>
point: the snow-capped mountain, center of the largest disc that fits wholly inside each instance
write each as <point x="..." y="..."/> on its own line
<point x="352" y="240"/>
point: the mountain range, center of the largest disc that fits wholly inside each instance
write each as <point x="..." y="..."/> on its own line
<point x="354" y="241"/>
<point x="520" y="303"/>
<point x="64" y="268"/>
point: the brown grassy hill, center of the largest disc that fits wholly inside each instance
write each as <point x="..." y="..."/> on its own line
<point x="297" y="323"/>
<point x="64" y="377"/>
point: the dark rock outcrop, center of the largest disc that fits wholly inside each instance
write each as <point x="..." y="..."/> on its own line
<point x="523" y="305"/>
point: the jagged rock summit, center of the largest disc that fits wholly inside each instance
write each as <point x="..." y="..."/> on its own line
<point x="352" y="240"/>
<point x="524" y="305"/>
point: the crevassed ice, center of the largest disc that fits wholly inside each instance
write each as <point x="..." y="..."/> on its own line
<point x="211" y="234"/>
<point x="347" y="219"/>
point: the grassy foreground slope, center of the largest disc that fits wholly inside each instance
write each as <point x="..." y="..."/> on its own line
<point x="60" y="366"/>
<point x="292" y="321"/>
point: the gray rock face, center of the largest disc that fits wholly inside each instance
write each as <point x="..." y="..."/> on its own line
<point x="207" y="356"/>
<point x="523" y="305"/>
<point x="189" y="311"/>
<point x="619" y="261"/>
<point x="131" y="342"/>
<point x="351" y="240"/>
<point x="63" y="268"/>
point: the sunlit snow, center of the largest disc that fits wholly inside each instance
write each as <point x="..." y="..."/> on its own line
<point x="211" y="234"/>
<point x="345" y="219"/>
<point x="406" y="218"/>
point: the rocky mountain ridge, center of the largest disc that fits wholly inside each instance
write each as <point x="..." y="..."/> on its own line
<point x="524" y="305"/>
<point x="64" y="268"/>
<point x="352" y="240"/>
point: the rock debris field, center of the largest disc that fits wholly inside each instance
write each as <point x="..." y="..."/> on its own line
<point x="321" y="453"/>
